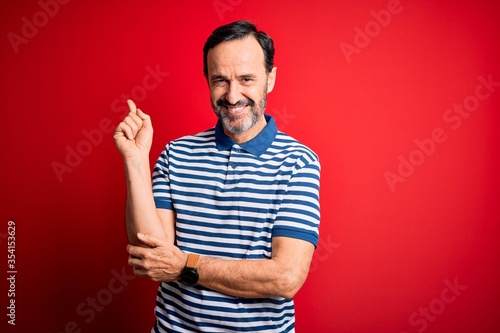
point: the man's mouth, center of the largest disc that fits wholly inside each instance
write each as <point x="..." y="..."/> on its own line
<point x="235" y="110"/>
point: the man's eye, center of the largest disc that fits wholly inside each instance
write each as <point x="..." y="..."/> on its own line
<point x="219" y="82"/>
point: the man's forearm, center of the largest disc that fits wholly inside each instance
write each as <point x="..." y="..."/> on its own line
<point x="249" y="278"/>
<point x="282" y="275"/>
<point x="141" y="214"/>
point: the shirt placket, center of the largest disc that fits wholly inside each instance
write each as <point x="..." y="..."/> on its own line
<point x="232" y="167"/>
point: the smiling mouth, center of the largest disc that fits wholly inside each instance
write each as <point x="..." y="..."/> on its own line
<point x="235" y="109"/>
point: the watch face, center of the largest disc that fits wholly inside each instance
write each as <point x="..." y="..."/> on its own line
<point x="189" y="276"/>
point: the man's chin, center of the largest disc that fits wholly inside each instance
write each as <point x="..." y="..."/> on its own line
<point x="236" y="126"/>
<point x="234" y="129"/>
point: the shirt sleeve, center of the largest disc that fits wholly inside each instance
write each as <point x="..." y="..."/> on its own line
<point x="161" y="181"/>
<point x="299" y="213"/>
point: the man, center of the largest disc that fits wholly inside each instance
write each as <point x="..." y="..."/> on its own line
<point x="230" y="220"/>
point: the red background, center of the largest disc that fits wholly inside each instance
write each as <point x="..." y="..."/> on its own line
<point x="387" y="253"/>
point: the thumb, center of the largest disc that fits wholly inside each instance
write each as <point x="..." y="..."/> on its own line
<point x="149" y="240"/>
<point x="131" y="106"/>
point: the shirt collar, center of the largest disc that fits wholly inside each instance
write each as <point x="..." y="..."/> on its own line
<point x="255" y="146"/>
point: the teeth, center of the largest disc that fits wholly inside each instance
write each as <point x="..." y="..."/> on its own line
<point x="236" y="109"/>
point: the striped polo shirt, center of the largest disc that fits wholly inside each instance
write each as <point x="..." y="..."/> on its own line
<point x="231" y="200"/>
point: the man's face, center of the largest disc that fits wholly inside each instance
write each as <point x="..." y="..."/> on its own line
<point x="239" y="86"/>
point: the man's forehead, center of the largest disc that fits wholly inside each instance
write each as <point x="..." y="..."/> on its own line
<point x="245" y="54"/>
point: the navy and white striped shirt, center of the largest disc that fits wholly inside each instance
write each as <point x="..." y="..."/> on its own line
<point x="231" y="200"/>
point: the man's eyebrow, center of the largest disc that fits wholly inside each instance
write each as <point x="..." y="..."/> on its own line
<point x="247" y="76"/>
<point x="218" y="76"/>
<point x="242" y="76"/>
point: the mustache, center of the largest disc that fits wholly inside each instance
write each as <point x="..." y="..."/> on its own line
<point x="225" y="102"/>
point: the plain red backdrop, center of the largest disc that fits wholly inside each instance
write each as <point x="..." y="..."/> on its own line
<point x="409" y="228"/>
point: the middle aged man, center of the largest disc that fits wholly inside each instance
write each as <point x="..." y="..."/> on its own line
<point x="230" y="221"/>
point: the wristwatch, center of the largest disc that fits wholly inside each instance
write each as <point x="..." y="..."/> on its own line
<point x="189" y="275"/>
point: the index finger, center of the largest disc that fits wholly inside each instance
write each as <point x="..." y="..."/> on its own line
<point x="131" y="105"/>
<point x="135" y="251"/>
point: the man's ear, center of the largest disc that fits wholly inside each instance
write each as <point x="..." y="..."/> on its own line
<point x="271" y="79"/>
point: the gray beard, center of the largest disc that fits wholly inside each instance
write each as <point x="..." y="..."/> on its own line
<point x="245" y="124"/>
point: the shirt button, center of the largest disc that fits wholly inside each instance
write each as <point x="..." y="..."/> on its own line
<point x="233" y="165"/>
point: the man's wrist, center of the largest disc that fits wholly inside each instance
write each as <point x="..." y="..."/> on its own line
<point x="136" y="159"/>
<point x="137" y="164"/>
<point x="189" y="275"/>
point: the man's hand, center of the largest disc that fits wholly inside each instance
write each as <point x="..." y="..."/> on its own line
<point x="134" y="135"/>
<point x="161" y="262"/>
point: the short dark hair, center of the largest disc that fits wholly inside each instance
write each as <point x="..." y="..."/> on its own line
<point x="239" y="30"/>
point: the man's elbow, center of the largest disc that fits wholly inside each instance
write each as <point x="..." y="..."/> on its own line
<point x="290" y="284"/>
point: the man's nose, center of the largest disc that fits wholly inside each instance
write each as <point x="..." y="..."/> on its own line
<point x="233" y="94"/>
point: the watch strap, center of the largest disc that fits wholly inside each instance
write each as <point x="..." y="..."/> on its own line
<point x="192" y="261"/>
